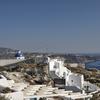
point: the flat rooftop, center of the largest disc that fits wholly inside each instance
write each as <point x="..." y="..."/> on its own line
<point x="38" y="91"/>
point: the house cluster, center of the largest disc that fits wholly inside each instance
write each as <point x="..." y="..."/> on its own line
<point x="25" y="91"/>
<point x="73" y="81"/>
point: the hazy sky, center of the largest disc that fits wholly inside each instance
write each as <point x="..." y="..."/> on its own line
<point x="50" y="25"/>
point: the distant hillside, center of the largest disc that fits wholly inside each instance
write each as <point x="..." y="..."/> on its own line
<point x="6" y="53"/>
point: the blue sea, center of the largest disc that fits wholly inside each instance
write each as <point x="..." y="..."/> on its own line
<point x="93" y="64"/>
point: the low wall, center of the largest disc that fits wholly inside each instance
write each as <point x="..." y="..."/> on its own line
<point x="4" y="62"/>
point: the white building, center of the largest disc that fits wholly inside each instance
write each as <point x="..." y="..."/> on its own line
<point x="14" y="95"/>
<point x="71" y="79"/>
<point x="4" y="82"/>
<point x="19" y="55"/>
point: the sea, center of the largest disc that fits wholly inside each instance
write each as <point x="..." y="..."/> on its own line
<point x="93" y="64"/>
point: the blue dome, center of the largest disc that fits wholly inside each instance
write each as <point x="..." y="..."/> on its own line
<point x="18" y="54"/>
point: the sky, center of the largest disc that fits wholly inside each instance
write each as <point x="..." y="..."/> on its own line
<point x="60" y="26"/>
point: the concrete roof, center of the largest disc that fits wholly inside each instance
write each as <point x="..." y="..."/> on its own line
<point x="48" y="91"/>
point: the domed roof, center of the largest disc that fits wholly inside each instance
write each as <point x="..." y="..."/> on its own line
<point x="18" y="54"/>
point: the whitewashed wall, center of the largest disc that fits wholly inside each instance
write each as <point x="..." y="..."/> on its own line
<point x="4" y="82"/>
<point x="76" y="80"/>
<point x="15" y="96"/>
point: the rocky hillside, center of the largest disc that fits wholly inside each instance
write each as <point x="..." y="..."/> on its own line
<point x="27" y="71"/>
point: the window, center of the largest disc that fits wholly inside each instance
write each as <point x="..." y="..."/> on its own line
<point x="64" y="74"/>
<point x="55" y="66"/>
<point x="72" y="81"/>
